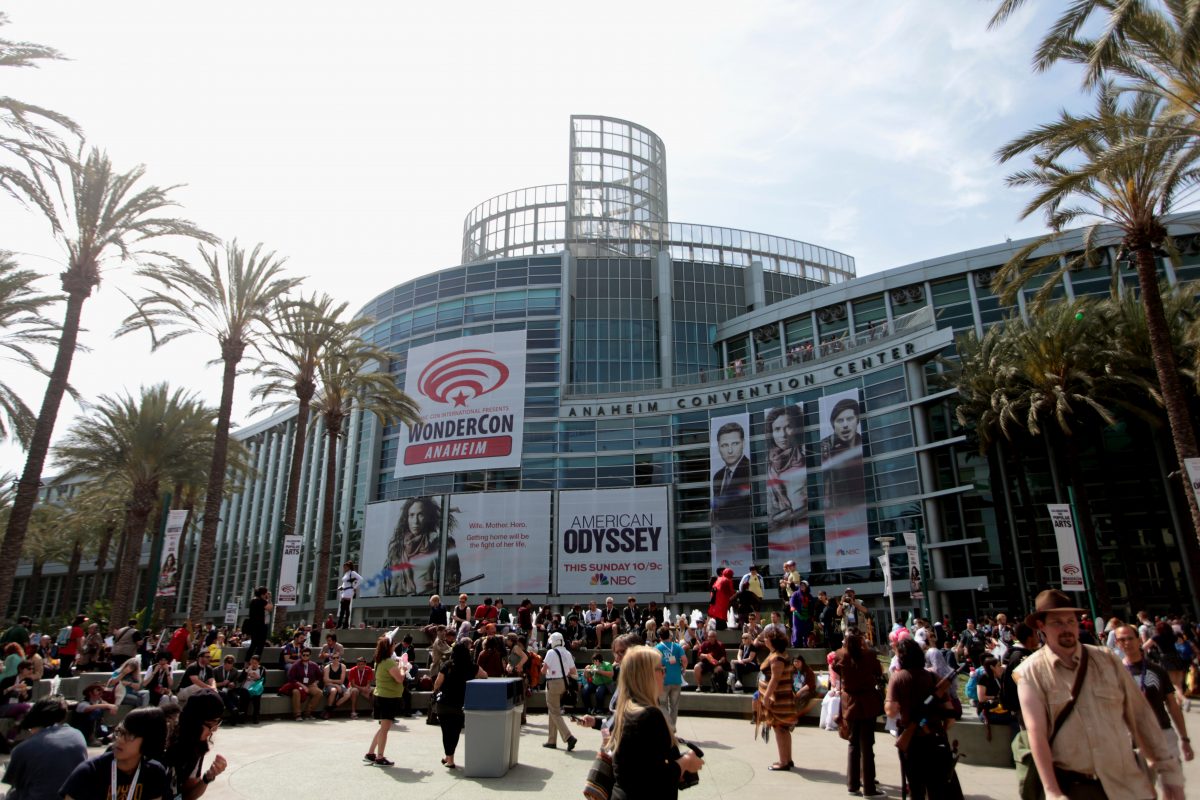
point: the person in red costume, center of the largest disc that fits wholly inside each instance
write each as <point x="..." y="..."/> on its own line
<point x="723" y="592"/>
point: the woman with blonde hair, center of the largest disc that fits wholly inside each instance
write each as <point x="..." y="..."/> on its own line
<point x="646" y="758"/>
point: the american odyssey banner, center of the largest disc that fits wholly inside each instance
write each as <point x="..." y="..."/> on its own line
<point x="844" y="488"/>
<point x="787" y="487"/>
<point x="503" y="541"/>
<point x="731" y="503"/>
<point x="613" y="538"/>
<point x="471" y="392"/>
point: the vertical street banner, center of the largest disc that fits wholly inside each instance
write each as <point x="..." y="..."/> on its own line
<point x="289" y="570"/>
<point x="787" y="487"/>
<point x="405" y="543"/>
<point x="471" y="393"/>
<point x="885" y="564"/>
<point x="843" y="485"/>
<point x="231" y="613"/>
<point x="613" y="539"/>
<point x="503" y="541"/>
<point x="1192" y="465"/>
<point x="731" y="503"/>
<point x="914" y="566"/>
<point x="1069" y="565"/>
<point x="168" y="568"/>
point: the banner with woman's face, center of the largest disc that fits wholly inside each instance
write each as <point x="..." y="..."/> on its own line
<point x="404" y="544"/>
<point x="787" y="487"/>
<point x="843" y="485"/>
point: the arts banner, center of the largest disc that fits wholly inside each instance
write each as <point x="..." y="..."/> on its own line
<point x="787" y="487"/>
<point x="844" y="487"/>
<point x="731" y="502"/>
<point x="289" y="570"/>
<point x="168" y="568"/>
<point x="404" y="545"/>
<point x="503" y="541"/>
<point x="618" y="539"/>
<point x="1192" y="465"/>
<point x="1069" y="566"/>
<point x="914" y="565"/>
<point x="471" y="393"/>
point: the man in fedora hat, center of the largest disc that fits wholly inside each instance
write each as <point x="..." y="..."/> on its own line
<point x="347" y="589"/>
<point x="1081" y="707"/>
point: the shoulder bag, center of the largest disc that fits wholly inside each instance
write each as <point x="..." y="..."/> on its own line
<point x="570" y="695"/>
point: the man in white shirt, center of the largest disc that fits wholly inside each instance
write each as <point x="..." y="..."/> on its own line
<point x="347" y="589"/>
<point x="591" y="618"/>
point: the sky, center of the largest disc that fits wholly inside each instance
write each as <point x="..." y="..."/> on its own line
<point x="354" y="140"/>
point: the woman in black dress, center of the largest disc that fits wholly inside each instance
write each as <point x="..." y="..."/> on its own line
<point x="646" y="758"/>
<point x="450" y="690"/>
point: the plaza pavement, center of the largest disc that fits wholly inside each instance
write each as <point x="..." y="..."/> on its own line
<point x="320" y="759"/>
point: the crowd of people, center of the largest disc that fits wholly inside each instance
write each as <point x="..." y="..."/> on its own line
<point x="1015" y="677"/>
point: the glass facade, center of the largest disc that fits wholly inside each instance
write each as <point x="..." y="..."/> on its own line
<point x="629" y="358"/>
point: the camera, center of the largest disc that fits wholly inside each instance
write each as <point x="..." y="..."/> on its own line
<point x="689" y="779"/>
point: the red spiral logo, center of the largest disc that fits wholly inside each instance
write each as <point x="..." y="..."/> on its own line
<point x="462" y="375"/>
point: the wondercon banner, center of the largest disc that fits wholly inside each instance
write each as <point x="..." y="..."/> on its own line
<point x="168" y="568"/>
<point x="787" y="487"/>
<point x="844" y="488"/>
<point x="504" y="539"/>
<point x="613" y="537"/>
<point x="471" y="393"/>
<point x="403" y="547"/>
<point x="731" y="506"/>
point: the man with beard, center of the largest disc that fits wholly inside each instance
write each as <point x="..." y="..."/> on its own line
<point x="1086" y="694"/>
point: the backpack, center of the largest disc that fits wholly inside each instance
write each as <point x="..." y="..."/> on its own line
<point x="534" y="667"/>
<point x="973" y="684"/>
<point x="64" y="636"/>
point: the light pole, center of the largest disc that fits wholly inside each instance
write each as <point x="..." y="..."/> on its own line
<point x="886" y="543"/>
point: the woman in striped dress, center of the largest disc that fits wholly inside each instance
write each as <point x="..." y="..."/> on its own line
<point x="777" y="700"/>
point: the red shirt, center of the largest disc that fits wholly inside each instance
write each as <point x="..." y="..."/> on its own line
<point x="71" y="647"/>
<point x="360" y="675"/>
<point x="486" y="613"/>
<point x="715" y="649"/>
<point x="178" y="646"/>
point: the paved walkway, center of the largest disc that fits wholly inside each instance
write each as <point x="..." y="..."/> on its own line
<point x="317" y="759"/>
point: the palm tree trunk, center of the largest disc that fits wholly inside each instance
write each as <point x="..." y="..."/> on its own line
<point x="1030" y="519"/>
<point x="39" y="444"/>
<point x="231" y="354"/>
<point x="136" y="516"/>
<point x="33" y="590"/>
<point x="72" y="575"/>
<point x="333" y="427"/>
<point x="1183" y="435"/>
<point x="291" y="501"/>
<point x="1087" y="528"/>
<point x="101" y="563"/>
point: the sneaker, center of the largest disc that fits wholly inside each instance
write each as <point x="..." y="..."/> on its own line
<point x="875" y="793"/>
<point x="353" y="715"/>
<point x="383" y="762"/>
<point x="369" y="757"/>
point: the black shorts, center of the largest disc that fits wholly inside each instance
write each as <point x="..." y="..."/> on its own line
<point x="387" y="707"/>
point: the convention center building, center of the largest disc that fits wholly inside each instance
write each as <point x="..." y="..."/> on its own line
<point x="617" y="404"/>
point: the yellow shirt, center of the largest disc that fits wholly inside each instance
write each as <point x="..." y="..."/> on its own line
<point x="1095" y="739"/>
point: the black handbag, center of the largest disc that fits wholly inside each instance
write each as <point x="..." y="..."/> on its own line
<point x="570" y="695"/>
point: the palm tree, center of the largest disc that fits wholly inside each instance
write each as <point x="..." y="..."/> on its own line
<point x="142" y="442"/>
<point x="29" y="134"/>
<point x="22" y="326"/>
<point x="231" y="302"/>
<point x="1113" y="167"/>
<point x="89" y="520"/>
<point x="105" y="215"/>
<point x="303" y="333"/>
<point x="350" y="377"/>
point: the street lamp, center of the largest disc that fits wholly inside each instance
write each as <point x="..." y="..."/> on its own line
<point x="886" y="543"/>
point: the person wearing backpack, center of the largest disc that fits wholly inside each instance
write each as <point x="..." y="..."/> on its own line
<point x="70" y="641"/>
